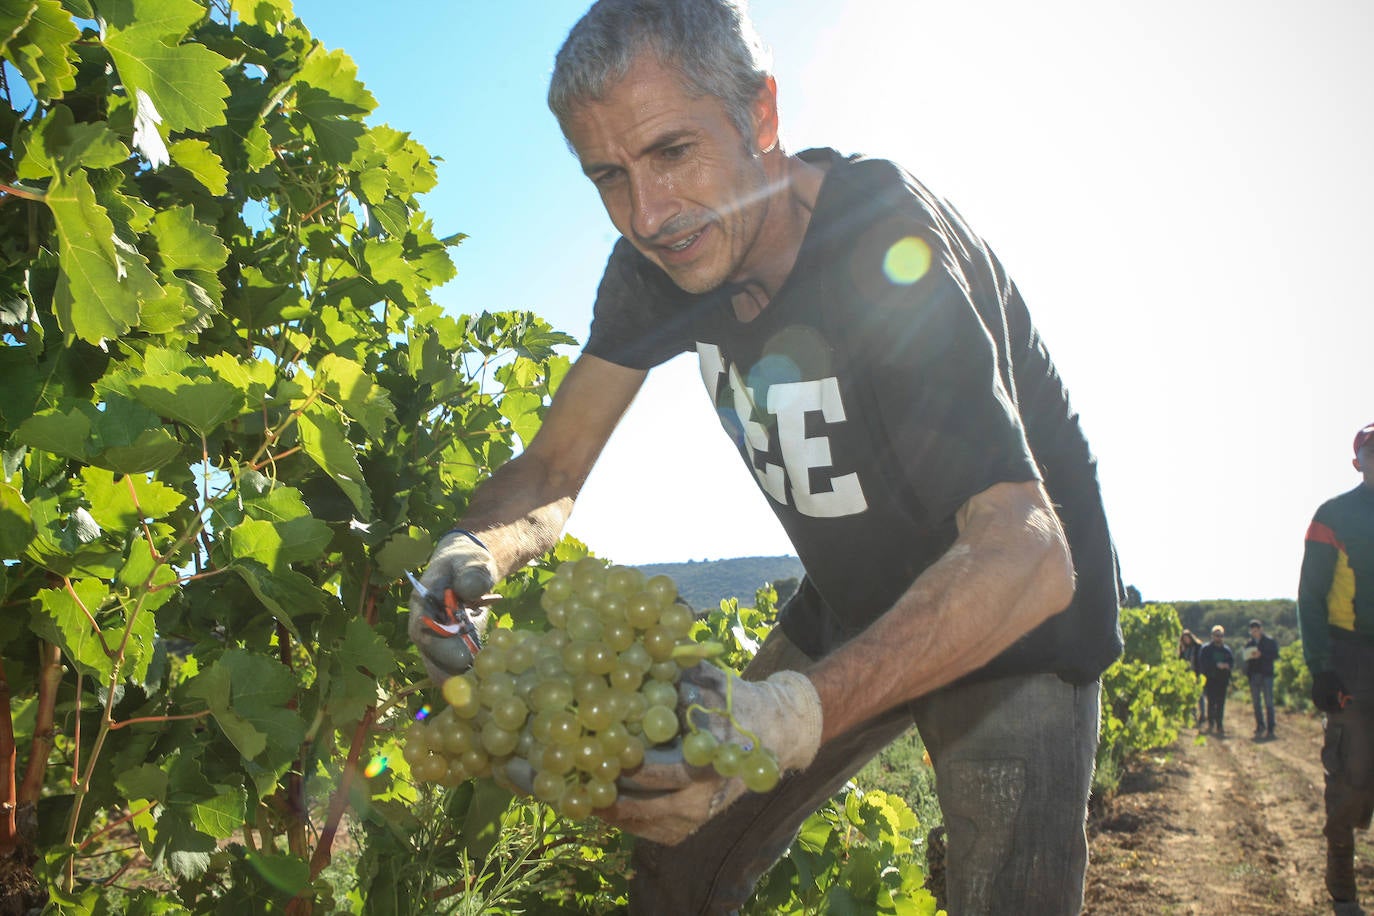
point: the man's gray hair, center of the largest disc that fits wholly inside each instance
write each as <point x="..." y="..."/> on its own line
<point x="711" y="43"/>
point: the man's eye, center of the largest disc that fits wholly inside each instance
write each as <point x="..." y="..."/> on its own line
<point x="672" y="153"/>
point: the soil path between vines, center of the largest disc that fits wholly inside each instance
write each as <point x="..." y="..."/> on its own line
<point x="1220" y="827"/>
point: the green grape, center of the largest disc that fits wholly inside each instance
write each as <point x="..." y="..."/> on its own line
<point x="728" y="759"/>
<point x="489" y="661"/>
<point x="601" y="792"/>
<point x="623" y="677"/>
<point x="494" y="686"/>
<point x="500" y="638"/>
<point x="642" y="611"/>
<point x="557" y="758"/>
<point x="476" y="761"/>
<point x="659" y="693"/>
<point x="457" y="737"/>
<point x="556" y="589"/>
<point x="759" y="771"/>
<point x="416" y="745"/>
<point x="564" y="728"/>
<point x="618" y="635"/>
<point x="458" y="690"/>
<point x="677" y="620"/>
<point x="624" y="580"/>
<point x="510" y="713"/>
<point x="595" y="714"/>
<point x="699" y="748"/>
<point x="575" y="657"/>
<point x="557" y="614"/>
<point x="498" y="741"/>
<point x="632" y="755"/>
<point x="584" y="625"/>
<point x="662" y="588"/>
<point x="519" y="658"/>
<point x="611" y="608"/>
<point x="637" y="657"/>
<point x="576" y="803"/>
<point x="430" y="768"/>
<point x="549" y="787"/>
<point x="607" y="768"/>
<point x="588" y="571"/>
<point x="601" y="659"/>
<point x="660" y="644"/>
<point x="659" y="724"/>
<point x="552" y="694"/>
<point x="587" y="753"/>
<point x="457" y="774"/>
<point x="614" y="738"/>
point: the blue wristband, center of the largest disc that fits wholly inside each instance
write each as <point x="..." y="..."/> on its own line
<point x="469" y="535"/>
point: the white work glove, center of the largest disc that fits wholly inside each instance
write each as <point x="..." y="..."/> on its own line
<point x="462" y="565"/>
<point x="666" y="799"/>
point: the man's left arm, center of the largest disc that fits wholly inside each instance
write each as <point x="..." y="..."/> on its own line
<point x="1007" y="572"/>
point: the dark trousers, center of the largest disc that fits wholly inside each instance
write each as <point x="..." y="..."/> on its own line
<point x="1348" y="759"/>
<point x="1214" y="693"/>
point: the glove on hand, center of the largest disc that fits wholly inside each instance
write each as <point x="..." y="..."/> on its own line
<point x="666" y="799"/>
<point x="1327" y="691"/>
<point x="462" y="564"/>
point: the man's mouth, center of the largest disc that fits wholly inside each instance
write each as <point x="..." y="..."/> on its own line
<point x="685" y="243"/>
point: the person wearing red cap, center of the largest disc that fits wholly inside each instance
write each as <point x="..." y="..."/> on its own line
<point x="1336" y="620"/>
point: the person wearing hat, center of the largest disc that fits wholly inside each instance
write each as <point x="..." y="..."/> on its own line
<point x="1260" y="653"/>
<point x="1336" y="622"/>
<point x="1214" y="663"/>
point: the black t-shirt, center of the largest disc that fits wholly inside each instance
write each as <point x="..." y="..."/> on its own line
<point x="895" y="375"/>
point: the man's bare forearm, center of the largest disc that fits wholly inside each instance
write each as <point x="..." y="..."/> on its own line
<point x="519" y="512"/>
<point x="1009" y="571"/>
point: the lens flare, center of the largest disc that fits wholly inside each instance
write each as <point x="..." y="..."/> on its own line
<point x="423" y="713"/>
<point x="907" y="260"/>
<point x="376" y="767"/>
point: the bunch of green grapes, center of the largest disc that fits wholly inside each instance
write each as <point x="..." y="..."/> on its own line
<point x="581" y="702"/>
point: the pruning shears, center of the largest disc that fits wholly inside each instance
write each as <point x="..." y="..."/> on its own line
<point x="450" y="617"/>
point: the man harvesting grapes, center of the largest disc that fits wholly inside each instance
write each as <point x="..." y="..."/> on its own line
<point x="1336" y="620"/>
<point x="879" y="374"/>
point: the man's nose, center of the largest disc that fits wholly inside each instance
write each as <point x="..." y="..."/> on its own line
<point x="653" y="203"/>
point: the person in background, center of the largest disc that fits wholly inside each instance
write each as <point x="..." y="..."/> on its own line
<point x="1259" y="653"/>
<point x="1214" y="662"/>
<point x="1336" y="622"/>
<point x="879" y="374"/>
<point x="1188" y="647"/>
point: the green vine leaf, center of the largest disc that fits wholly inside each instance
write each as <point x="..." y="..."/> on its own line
<point x="326" y="442"/>
<point x="65" y="619"/>
<point x="183" y="81"/>
<point x="39" y="47"/>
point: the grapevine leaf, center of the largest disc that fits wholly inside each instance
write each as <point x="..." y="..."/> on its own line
<point x="180" y="847"/>
<point x="357" y="665"/>
<point x="345" y="382"/>
<point x="524" y="410"/>
<point x="102" y="281"/>
<point x="151" y="450"/>
<point x="65" y="619"/>
<point x="66" y="434"/>
<point x="59" y="145"/>
<point x="40" y="48"/>
<point x="288" y="874"/>
<point x="182" y="81"/>
<point x="248" y="695"/>
<point x="201" y="403"/>
<point x="221" y="815"/>
<point x="403" y="552"/>
<point x="285" y="594"/>
<point x="332" y="100"/>
<point x="268" y="543"/>
<point x="12" y="21"/>
<point x="196" y="157"/>
<point x="146" y="781"/>
<point x="324" y="440"/>
<point x="122" y="504"/>
<point x="16" y="525"/>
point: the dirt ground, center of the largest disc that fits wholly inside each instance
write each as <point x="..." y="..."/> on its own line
<point x="1220" y="827"/>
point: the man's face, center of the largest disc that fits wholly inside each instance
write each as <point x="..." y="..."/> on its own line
<point x="1218" y="638"/>
<point x="1256" y="632"/>
<point x="675" y="176"/>
<point x="1364" y="462"/>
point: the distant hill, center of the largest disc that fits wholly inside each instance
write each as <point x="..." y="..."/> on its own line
<point x="706" y="583"/>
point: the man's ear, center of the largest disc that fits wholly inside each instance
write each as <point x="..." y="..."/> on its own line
<point x="765" y="112"/>
<point x="1355" y="463"/>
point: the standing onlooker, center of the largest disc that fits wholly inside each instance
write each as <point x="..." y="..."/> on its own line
<point x="1336" y="620"/>
<point x="1188" y="647"/>
<point x="1214" y="661"/>
<point x="1260" y="653"/>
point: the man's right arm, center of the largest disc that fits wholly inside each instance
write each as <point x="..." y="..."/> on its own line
<point x="1314" y="583"/>
<point x="519" y="512"/>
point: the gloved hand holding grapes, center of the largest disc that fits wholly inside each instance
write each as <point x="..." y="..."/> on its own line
<point x="461" y="572"/>
<point x="729" y="723"/>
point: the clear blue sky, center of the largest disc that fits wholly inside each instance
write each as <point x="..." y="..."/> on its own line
<point x="1182" y="191"/>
